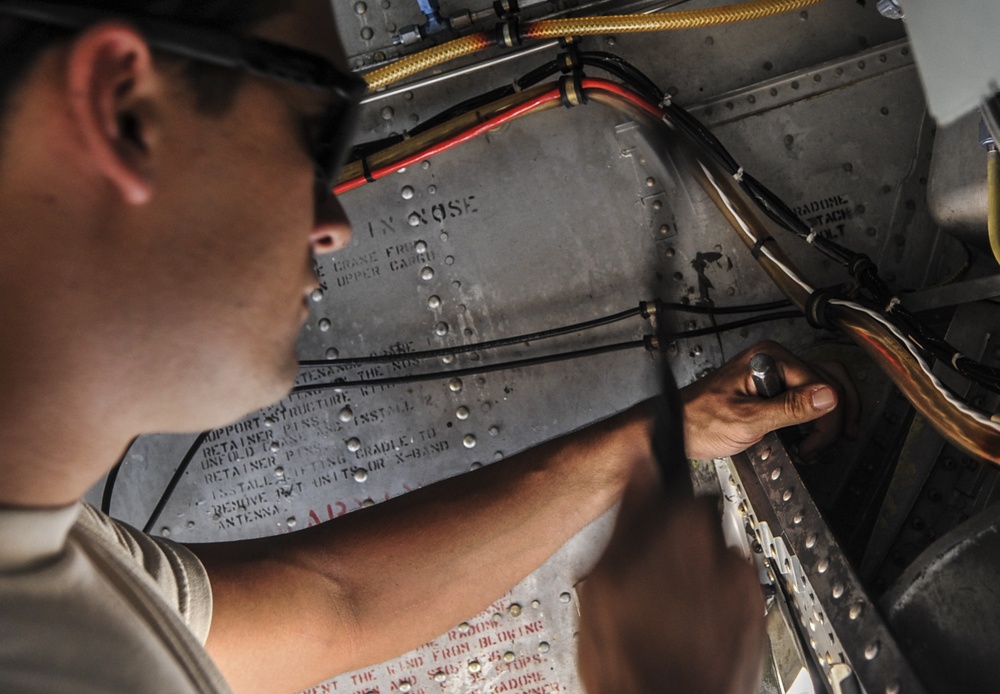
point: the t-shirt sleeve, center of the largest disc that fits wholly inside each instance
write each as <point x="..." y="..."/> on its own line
<point x="175" y="571"/>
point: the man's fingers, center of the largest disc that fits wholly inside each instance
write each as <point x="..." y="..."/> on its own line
<point x="797" y="406"/>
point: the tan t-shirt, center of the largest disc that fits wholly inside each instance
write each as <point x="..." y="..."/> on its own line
<point x="88" y="604"/>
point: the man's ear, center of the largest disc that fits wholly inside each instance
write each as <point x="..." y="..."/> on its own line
<point x="110" y="79"/>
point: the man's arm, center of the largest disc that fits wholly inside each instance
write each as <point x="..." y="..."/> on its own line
<point x="293" y="610"/>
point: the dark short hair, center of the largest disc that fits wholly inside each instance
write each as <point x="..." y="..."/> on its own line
<point x="21" y="42"/>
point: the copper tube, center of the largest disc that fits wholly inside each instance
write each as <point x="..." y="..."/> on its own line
<point x="976" y="436"/>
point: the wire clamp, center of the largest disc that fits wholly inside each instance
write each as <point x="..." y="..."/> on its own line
<point x="571" y="90"/>
<point x="508" y="33"/>
<point x="570" y="60"/>
<point x="812" y="236"/>
<point x="817" y="304"/>
<point x="666" y="103"/>
<point x="738" y="175"/>
<point x="506" y="8"/>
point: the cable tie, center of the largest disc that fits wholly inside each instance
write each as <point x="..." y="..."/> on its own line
<point x="366" y="169"/>
<point x="954" y="360"/>
<point x="651" y="343"/>
<point x="893" y="303"/>
<point x="755" y="251"/>
<point x="667" y="102"/>
<point x="739" y="175"/>
<point x="812" y="236"/>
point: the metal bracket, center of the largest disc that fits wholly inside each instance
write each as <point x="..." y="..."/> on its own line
<point x="851" y="643"/>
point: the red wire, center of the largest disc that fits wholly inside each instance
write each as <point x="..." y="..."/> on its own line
<point x="495" y="122"/>
<point x="625" y="93"/>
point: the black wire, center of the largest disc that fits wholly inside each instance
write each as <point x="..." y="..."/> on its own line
<point x="470" y="371"/>
<point x="112" y="479"/>
<point x="172" y="484"/>
<point x="455" y="373"/>
<point x="480" y="346"/>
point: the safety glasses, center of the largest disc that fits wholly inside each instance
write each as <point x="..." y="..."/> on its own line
<point x="329" y="144"/>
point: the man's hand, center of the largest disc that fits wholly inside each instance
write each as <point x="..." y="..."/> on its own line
<point x="723" y="413"/>
<point x="669" y="607"/>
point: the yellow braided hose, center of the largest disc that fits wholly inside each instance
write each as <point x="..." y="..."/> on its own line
<point x="662" y="21"/>
<point x="993" y="201"/>
<point x="425" y="60"/>
<point x="583" y="26"/>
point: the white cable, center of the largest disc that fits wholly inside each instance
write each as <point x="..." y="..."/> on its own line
<point x="749" y="233"/>
<point x="977" y="415"/>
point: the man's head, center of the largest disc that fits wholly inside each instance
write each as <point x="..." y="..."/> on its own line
<point x="159" y="214"/>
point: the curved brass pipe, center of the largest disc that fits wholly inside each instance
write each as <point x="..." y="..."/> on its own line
<point x="973" y="432"/>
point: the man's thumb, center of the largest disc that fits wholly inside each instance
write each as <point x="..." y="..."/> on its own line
<point x="804" y="404"/>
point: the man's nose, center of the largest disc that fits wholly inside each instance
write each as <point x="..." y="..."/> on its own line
<point x="331" y="231"/>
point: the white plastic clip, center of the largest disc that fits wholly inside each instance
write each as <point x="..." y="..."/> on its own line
<point x="812" y="236"/>
<point x="739" y="175"/>
<point x="955" y="358"/>
<point x="667" y="101"/>
<point x="893" y="303"/>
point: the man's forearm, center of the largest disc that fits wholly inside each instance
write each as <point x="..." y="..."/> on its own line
<point x="383" y="580"/>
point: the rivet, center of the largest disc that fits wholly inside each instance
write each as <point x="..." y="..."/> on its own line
<point x="811" y="540"/>
<point x="494" y="431"/>
<point x="325" y="325"/>
<point x="765" y="454"/>
<point x="508" y="657"/>
<point x="274" y="447"/>
<point x="291" y="522"/>
<point x="316" y="295"/>
<point x="360" y="475"/>
<point x="405" y="686"/>
<point x="413" y="220"/>
<point x="332" y="353"/>
<point x="838" y="591"/>
<point x="514" y="610"/>
<point x="543" y="647"/>
<point x="455" y="385"/>
<point x="474" y="666"/>
<point x="440" y="676"/>
<point x="871" y="650"/>
<point x="427" y="274"/>
<point x="367" y="34"/>
<point x="787" y="495"/>
<point x="346" y="415"/>
<point x="407" y="192"/>
<point x="420" y="247"/>
<point x="775" y="473"/>
<point x="565" y="597"/>
<point x="279" y="472"/>
<point x="823" y="565"/>
<point x="469" y="441"/>
<point x="353" y="445"/>
<point x="462" y="413"/>
<point x="441" y="329"/>
<point x="855" y="610"/>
